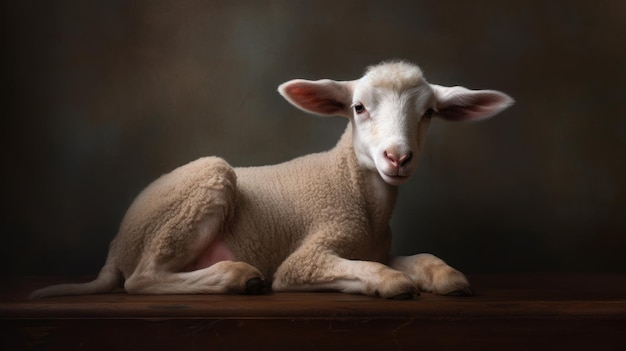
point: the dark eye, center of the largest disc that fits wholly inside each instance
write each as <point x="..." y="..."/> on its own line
<point x="359" y="108"/>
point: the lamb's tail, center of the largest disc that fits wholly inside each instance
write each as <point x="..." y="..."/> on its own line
<point x="108" y="279"/>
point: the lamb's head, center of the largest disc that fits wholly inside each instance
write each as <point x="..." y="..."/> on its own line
<point x="390" y="109"/>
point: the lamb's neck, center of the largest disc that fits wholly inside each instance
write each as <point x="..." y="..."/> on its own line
<point x="380" y="197"/>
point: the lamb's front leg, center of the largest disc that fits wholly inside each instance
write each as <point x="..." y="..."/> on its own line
<point x="432" y="274"/>
<point x="313" y="271"/>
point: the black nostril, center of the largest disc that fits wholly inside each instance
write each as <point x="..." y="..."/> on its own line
<point x="404" y="161"/>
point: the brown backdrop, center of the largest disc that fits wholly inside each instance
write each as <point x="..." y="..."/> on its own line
<point x="101" y="97"/>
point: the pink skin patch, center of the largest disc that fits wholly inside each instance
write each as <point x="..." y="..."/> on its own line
<point x="216" y="252"/>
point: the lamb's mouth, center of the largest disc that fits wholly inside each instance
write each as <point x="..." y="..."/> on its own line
<point x="395" y="179"/>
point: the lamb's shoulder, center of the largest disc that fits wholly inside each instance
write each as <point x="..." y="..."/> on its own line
<point x="279" y="205"/>
<point x="312" y="183"/>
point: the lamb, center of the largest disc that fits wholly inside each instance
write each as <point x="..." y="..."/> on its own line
<point x="317" y="222"/>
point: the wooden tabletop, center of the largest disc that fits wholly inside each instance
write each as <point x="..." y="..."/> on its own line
<point x="514" y="311"/>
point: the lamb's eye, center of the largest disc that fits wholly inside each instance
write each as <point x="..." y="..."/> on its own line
<point x="359" y="108"/>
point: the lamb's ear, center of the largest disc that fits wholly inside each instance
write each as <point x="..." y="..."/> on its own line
<point x="462" y="104"/>
<point x="323" y="97"/>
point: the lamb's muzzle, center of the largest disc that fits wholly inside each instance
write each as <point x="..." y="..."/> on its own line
<point x="397" y="160"/>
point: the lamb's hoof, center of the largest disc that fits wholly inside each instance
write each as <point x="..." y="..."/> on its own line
<point x="404" y="296"/>
<point x="255" y="286"/>
<point x="461" y="292"/>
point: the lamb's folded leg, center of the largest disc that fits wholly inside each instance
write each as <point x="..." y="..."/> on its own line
<point x="180" y="220"/>
<point x="221" y="278"/>
<point x="161" y="269"/>
<point x="302" y="272"/>
<point x="432" y="274"/>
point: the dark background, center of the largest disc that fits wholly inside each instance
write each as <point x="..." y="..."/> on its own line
<point x="101" y="97"/>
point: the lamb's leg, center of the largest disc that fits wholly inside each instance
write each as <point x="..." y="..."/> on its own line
<point x="300" y="272"/>
<point x="431" y="274"/>
<point x="156" y="275"/>
<point x="180" y="220"/>
<point x="223" y="277"/>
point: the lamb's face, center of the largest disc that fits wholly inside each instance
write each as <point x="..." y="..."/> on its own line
<point x="391" y="110"/>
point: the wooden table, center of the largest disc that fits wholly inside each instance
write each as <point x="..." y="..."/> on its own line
<point x="554" y="311"/>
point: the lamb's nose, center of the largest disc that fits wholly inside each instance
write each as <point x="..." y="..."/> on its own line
<point x="398" y="161"/>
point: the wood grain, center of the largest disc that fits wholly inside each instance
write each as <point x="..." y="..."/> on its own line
<point x="510" y="311"/>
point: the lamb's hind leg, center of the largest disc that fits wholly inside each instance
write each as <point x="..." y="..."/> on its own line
<point x="432" y="274"/>
<point x="157" y="276"/>
<point x="184" y="252"/>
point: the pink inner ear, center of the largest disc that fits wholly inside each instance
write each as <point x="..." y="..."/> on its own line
<point x="474" y="106"/>
<point x="312" y="98"/>
<point x="463" y="113"/>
